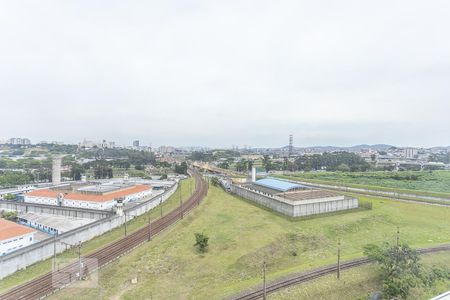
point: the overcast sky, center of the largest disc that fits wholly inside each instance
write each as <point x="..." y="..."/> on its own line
<point x="218" y="73"/>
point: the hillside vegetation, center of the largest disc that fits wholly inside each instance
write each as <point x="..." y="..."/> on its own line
<point x="242" y="236"/>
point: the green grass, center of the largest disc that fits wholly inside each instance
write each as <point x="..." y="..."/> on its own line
<point x="243" y="235"/>
<point x="360" y="282"/>
<point x="43" y="267"/>
<point x="435" y="184"/>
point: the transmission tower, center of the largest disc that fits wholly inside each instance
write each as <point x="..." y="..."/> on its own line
<point x="291" y="142"/>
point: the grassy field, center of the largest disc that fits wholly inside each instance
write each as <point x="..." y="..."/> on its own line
<point x="243" y="235"/>
<point x="361" y="281"/>
<point x="43" y="267"/>
<point x="436" y="183"/>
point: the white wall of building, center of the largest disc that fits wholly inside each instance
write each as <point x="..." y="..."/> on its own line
<point x="137" y="196"/>
<point x="99" y="205"/>
<point x="44" y="249"/>
<point x="40" y="200"/>
<point x="15" y="243"/>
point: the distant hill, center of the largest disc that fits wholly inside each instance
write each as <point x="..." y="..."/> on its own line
<point x="381" y="147"/>
<point x="355" y="148"/>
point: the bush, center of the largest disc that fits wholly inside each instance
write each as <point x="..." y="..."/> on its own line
<point x="8" y="215"/>
<point x="365" y="204"/>
<point x="9" y="197"/>
<point x="343" y="168"/>
<point x="215" y="181"/>
<point x="201" y="242"/>
<point x="402" y="270"/>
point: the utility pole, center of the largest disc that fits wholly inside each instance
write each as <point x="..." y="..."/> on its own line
<point x="54" y="252"/>
<point x="160" y="205"/>
<point x="339" y="260"/>
<point x="264" y="281"/>
<point x="79" y="259"/>
<point x="149" y="228"/>
<point x="125" y="214"/>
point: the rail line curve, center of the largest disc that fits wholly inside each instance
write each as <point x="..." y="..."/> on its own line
<point x="53" y="281"/>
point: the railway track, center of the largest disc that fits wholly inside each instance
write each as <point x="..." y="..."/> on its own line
<point x="53" y="281"/>
<point x="316" y="273"/>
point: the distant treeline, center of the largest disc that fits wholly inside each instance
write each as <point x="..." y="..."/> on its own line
<point x="444" y="158"/>
<point x="336" y="161"/>
<point x="10" y="179"/>
<point x="213" y="155"/>
<point x="26" y="163"/>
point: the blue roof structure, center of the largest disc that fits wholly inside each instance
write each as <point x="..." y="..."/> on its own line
<point x="279" y="185"/>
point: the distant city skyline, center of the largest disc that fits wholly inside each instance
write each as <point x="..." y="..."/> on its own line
<point x="142" y="143"/>
<point x="222" y="73"/>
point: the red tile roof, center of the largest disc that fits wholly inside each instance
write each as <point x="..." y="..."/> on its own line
<point x="89" y="197"/>
<point x="10" y="230"/>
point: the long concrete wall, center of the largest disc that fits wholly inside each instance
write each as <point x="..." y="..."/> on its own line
<point x="321" y="207"/>
<point x="260" y="199"/>
<point x="303" y="208"/>
<point x="23" y="207"/>
<point x="27" y="256"/>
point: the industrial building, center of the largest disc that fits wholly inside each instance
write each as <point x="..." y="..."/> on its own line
<point x="14" y="236"/>
<point x="101" y="196"/>
<point x="51" y="224"/>
<point x="293" y="199"/>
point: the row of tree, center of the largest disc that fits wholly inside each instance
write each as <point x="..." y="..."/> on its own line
<point x="9" y="178"/>
<point x="26" y="163"/>
<point x="213" y="155"/>
<point x="336" y="161"/>
<point x="444" y="158"/>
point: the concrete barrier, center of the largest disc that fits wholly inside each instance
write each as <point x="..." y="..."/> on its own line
<point x="27" y="256"/>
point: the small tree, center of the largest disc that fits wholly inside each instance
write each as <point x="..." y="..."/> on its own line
<point x="9" y="197"/>
<point x="401" y="269"/>
<point x="343" y="168"/>
<point x="181" y="168"/>
<point x="9" y="215"/>
<point x="201" y="242"/>
<point x="215" y="181"/>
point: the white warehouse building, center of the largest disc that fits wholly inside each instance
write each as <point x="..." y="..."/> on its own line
<point x="14" y="236"/>
<point x="100" y="197"/>
<point x="292" y="199"/>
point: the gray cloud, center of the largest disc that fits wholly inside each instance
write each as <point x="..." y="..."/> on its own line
<point x="226" y="72"/>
